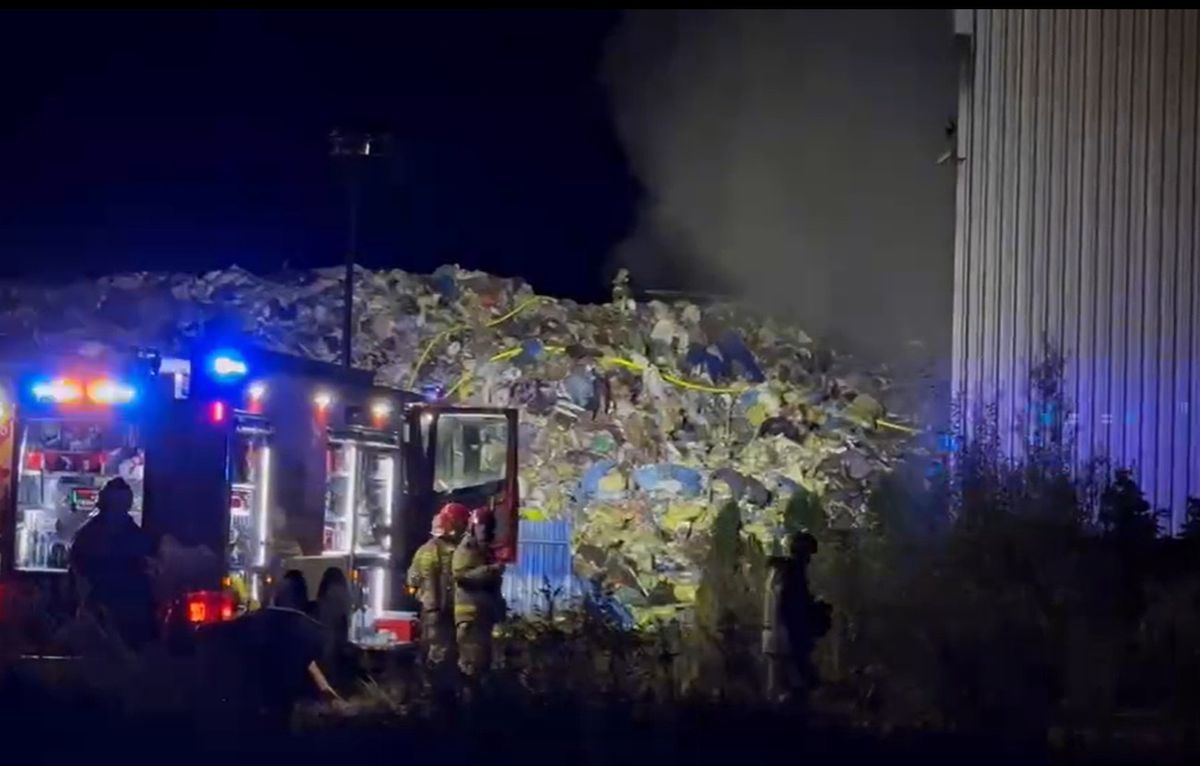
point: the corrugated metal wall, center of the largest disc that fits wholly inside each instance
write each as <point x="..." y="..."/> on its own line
<point x="543" y="571"/>
<point x="1077" y="221"/>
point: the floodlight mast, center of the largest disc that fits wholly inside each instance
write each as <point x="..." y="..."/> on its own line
<point x="352" y="150"/>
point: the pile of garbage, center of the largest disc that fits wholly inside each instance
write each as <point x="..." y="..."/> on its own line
<point x="638" y="419"/>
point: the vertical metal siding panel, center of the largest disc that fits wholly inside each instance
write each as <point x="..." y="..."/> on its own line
<point x="1069" y="222"/>
<point x="1078" y="195"/>
<point x="1048" y="44"/>
<point x="1089" y="188"/>
<point x="1185" y="256"/>
<point x="1193" y="448"/>
<point x="1152" y="239"/>
<point x="1056" y="167"/>
<point x="992" y="205"/>
<point x="1122" y="239"/>
<point x="1079" y="365"/>
<point x="963" y="215"/>
<point x="1102" y="366"/>
<point x="1137" y="233"/>
<point x="1007" y="261"/>
<point x="980" y="179"/>
<point x="1168" y="409"/>
<point x="1022" y="252"/>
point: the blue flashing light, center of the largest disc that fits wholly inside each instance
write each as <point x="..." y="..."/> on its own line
<point x="227" y="365"/>
<point x="58" y="391"/>
<point x="432" y="392"/>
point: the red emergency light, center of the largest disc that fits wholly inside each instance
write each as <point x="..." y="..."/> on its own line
<point x="102" y="391"/>
<point x="207" y="607"/>
<point x="216" y="412"/>
<point x="381" y="411"/>
<point x="255" y="393"/>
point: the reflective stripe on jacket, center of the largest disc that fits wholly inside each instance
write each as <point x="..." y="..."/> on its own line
<point x="477" y="581"/>
<point x="432" y="575"/>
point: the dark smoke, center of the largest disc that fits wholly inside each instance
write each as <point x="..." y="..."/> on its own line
<point x="789" y="158"/>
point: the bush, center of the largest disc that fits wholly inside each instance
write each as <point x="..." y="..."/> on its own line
<point x="1008" y="593"/>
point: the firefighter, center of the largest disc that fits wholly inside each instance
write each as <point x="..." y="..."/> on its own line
<point x="622" y="291"/>
<point x="110" y="560"/>
<point x="793" y="620"/>
<point x="431" y="578"/>
<point x="478" y="605"/>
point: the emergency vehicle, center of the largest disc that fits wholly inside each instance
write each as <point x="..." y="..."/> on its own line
<point x="68" y="424"/>
<point x="355" y="473"/>
<point x="274" y="463"/>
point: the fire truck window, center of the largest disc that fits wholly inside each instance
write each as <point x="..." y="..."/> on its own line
<point x="471" y="450"/>
<point x="374" y="507"/>
<point x="336" y="536"/>
<point x="62" y="467"/>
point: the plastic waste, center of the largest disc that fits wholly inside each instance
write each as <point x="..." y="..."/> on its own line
<point x="668" y="479"/>
<point x="716" y="401"/>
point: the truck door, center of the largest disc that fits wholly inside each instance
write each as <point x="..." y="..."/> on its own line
<point x="472" y="459"/>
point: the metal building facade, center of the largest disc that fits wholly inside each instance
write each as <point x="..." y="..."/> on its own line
<point x="1077" y="222"/>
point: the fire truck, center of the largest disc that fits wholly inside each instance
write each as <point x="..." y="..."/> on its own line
<point x="68" y="424"/>
<point x="276" y="465"/>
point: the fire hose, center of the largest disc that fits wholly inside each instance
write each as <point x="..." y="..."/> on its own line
<point x="611" y="361"/>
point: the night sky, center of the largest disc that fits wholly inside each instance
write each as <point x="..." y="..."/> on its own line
<point x="190" y="141"/>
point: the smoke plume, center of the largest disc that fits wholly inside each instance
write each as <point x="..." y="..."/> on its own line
<point x="789" y="158"/>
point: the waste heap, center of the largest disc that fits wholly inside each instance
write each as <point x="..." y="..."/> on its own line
<point x="638" y="419"/>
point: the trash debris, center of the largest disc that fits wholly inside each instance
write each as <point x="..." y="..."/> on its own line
<point x="638" y="417"/>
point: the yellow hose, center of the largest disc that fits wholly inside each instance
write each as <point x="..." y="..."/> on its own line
<point x="517" y="310"/>
<point x="501" y="357"/>
<point x="672" y="379"/>
<point x="610" y="360"/>
<point x="463" y="379"/>
<point x="896" y="426"/>
<point x="412" y="380"/>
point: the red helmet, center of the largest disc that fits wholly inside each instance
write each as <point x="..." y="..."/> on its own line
<point x="454" y="517"/>
<point x="438" y="528"/>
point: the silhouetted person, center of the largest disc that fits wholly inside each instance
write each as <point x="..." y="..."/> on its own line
<point x="267" y="659"/>
<point x="110" y="562"/>
<point x="333" y="610"/>
<point x="793" y="622"/>
<point x="293" y="592"/>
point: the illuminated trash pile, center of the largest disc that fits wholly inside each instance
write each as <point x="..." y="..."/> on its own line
<point x="638" y="418"/>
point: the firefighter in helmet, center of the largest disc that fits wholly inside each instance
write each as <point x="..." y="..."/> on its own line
<point x="431" y="579"/>
<point x="478" y="605"/>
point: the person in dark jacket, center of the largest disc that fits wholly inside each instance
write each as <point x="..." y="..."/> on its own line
<point x="793" y="621"/>
<point x="109" y="559"/>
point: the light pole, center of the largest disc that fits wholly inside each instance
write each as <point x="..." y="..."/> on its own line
<point x="353" y="150"/>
